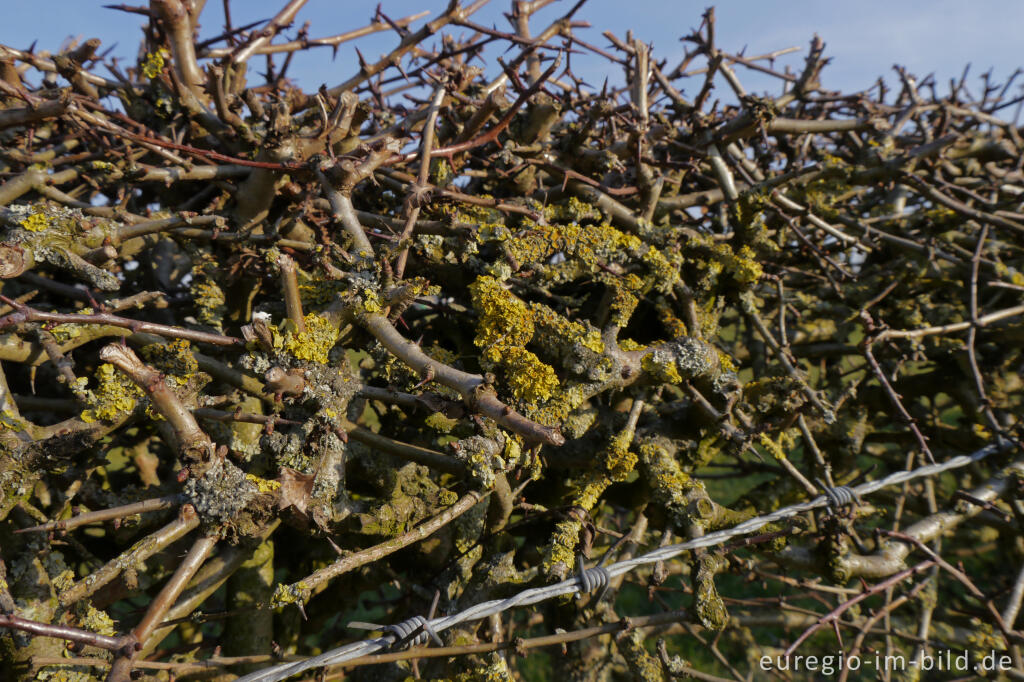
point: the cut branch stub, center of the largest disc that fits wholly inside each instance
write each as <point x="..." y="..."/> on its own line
<point x="14" y="261"/>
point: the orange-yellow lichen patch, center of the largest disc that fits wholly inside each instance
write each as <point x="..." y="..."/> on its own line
<point x="313" y="344"/>
<point x="505" y="326"/>
<point x="116" y="395"/>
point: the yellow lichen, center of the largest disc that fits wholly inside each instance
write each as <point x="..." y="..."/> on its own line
<point x="496" y="671"/>
<point x="262" y="484"/>
<point x="504" y="327"/>
<point x="504" y="319"/>
<point x="561" y="548"/>
<point x="371" y="302"/>
<point x="725" y="362"/>
<point x="776" y="448"/>
<point x="559" y="330"/>
<point x="289" y="594"/>
<point x="207" y="294"/>
<point x="630" y="344"/>
<point x="744" y="268"/>
<point x="714" y="258"/>
<point x="63" y="580"/>
<point x="618" y="460"/>
<point x="574" y="210"/>
<point x="98" y="621"/>
<point x="9" y="421"/>
<point x="153" y="64"/>
<point x="114" y="397"/>
<point x="316" y="290"/>
<point x="661" y="366"/>
<point x="36" y="222"/>
<point x="313" y="344"/>
<point x="439" y="422"/>
<point x="673" y="325"/>
<point x="528" y="378"/>
<point x="63" y="333"/>
<point x="588" y="247"/>
<point x="623" y="304"/>
<point x="513" y="449"/>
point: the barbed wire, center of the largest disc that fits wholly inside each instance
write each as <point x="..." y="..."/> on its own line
<point x="581" y="582"/>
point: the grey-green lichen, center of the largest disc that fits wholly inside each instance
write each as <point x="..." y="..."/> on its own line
<point x="207" y="294"/>
<point x="681" y="359"/>
<point x="221" y="493"/>
<point x="484" y="456"/>
<point x="644" y="666"/>
<point x="495" y="671"/>
<point x="707" y="603"/>
<point x="684" y="497"/>
<point x="60" y="236"/>
<point x="559" y="554"/>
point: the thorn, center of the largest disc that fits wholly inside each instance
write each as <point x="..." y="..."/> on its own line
<point x="428" y="376"/>
<point x="433" y="604"/>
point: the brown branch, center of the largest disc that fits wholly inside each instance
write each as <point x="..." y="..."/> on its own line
<point x="329" y="41"/>
<point x="120" y="670"/>
<point x="26" y="314"/>
<point x="407" y="451"/>
<point x="354" y="560"/>
<point x="77" y="635"/>
<point x="121" y="512"/>
<point x="954" y="327"/>
<point x="290" y="285"/>
<point x="193" y="442"/>
<point x="261" y="38"/>
<point x="415" y="200"/>
<point x="894" y="398"/>
<point x="960" y="207"/>
<point x="834" y="615"/>
<point x="177" y="21"/>
<point x="197" y="554"/>
<point x="453" y="12"/>
<point x="522" y="644"/>
<point x="133" y="556"/>
<point x="42" y="111"/>
<point x="492" y="134"/>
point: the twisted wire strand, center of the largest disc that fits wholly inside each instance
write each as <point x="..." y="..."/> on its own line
<point x="838" y="496"/>
<point x="413" y="632"/>
<point x="594" y="578"/>
<point x="591" y="579"/>
<point x="598" y="576"/>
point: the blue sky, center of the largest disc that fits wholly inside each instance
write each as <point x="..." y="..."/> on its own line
<point x="864" y="38"/>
